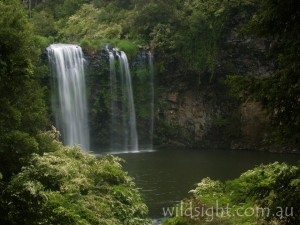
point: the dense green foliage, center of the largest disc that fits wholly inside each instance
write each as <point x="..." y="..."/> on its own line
<point x="278" y="22"/>
<point x="69" y="187"/>
<point x="268" y="194"/>
<point x="23" y="110"/>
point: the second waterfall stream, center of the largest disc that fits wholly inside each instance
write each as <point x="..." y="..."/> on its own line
<point x="123" y="118"/>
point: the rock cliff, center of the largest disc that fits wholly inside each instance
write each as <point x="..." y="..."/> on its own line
<point x="205" y="115"/>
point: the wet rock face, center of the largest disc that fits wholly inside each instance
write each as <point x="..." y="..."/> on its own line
<point x="254" y="124"/>
<point x="254" y="127"/>
<point x="206" y="116"/>
<point x="208" y="119"/>
<point x="201" y="118"/>
<point x="98" y="89"/>
<point x="193" y="115"/>
<point x="189" y="112"/>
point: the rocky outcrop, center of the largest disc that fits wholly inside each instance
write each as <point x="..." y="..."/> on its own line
<point x="254" y="123"/>
<point x="205" y="115"/>
<point x="202" y="118"/>
<point x="188" y="112"/>
<point x="210" y="118"/>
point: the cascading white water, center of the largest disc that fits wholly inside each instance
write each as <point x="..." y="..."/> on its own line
<point x="123" y="119"/>
<point x="133" y="141"/>
<point x="70" y="105"/>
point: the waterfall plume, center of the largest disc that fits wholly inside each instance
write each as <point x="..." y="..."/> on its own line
<point x="69" y="98"/>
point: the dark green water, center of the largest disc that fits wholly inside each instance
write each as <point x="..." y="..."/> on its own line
<point x="166" y="176"/>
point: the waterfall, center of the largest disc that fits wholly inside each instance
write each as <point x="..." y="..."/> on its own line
<point x="69" y="97"/>
<point x="123" y="119"/>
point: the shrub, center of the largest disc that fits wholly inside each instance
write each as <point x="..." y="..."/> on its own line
<point x="272" y="191"/>
<point x="69" y="187"/>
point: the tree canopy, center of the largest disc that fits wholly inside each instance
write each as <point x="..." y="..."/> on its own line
<point x="23" y="110"/>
